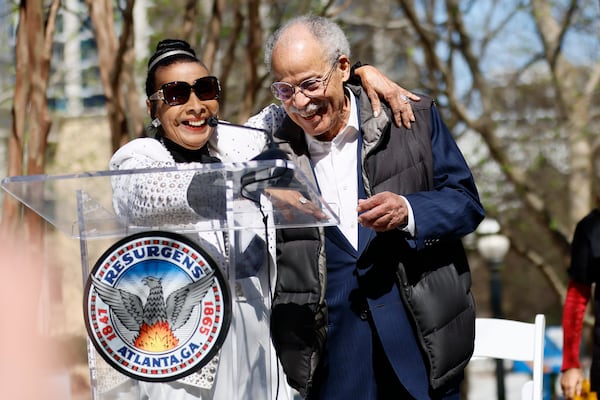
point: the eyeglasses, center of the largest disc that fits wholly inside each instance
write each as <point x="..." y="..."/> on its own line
<point x="177" y="93"/>
<point x="310" y="88"/>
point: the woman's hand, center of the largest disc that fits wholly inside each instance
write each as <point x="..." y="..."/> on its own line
<point x="289" y="202"/>
<point x="377" y="86"/>
<point x="571" y="382"/>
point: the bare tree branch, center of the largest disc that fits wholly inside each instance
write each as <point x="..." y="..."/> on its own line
<point x="252" y="48"/>
<point x="212" y="42"/>
<point x="190" y="17"/>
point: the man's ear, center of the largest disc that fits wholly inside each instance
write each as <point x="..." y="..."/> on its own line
<point x="344" y="65"/>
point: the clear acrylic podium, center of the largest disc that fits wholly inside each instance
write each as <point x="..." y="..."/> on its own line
<point x="245" y="204"/>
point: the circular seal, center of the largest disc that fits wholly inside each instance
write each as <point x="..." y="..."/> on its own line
<point x="157" y="306"/>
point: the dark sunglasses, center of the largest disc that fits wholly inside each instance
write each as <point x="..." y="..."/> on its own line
<point x="177" y="93"/>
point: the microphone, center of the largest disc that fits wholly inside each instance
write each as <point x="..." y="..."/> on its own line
<point x="271" y="153"/>
<point x="214" y="122"/>
<point x="252" y="183"/>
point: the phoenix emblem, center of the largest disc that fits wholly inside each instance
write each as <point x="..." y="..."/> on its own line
<point x="157" y="319"/>
<point x="157" y="306"/>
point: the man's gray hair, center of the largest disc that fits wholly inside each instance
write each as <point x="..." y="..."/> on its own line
<point x="328" y="34"/>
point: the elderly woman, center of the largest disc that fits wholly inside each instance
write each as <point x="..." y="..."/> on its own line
<point x="182" y="98"/>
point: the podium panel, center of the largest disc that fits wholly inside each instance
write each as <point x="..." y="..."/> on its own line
<point x="150" y="259"/>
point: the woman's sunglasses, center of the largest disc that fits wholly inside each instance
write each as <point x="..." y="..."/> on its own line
<point x="177" y="93"/>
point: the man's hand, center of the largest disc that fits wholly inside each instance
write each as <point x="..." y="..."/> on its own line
<point x="383" y="212"/>
<point x="570" y="382"/>
<point x="378" y="85"/>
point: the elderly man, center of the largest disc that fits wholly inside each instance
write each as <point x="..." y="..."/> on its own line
<point x="379" y="306"/>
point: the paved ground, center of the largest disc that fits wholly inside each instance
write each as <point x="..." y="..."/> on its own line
<point x="482" y="381"/>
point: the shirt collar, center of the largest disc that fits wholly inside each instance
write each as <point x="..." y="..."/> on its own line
<point x="348" y="134"/>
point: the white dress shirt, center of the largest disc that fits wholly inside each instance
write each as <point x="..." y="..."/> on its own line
<point x="335" y="166"/>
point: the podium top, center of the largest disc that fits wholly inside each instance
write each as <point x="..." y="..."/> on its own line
<point x="226" y="195"/>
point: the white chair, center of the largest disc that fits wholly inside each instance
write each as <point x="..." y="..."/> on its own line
<point x="517" y="341"/>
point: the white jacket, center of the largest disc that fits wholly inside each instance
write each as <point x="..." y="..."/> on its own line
<point x="156" y="200"/>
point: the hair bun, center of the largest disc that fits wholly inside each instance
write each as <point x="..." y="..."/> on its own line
<point x="169" y="49"/>
<point x="173" y="44"/>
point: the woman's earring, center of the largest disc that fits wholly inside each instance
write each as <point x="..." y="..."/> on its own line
<point x="156" y="122"/>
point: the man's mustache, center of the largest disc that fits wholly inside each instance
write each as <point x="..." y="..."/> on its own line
<point x="311" y="109"/>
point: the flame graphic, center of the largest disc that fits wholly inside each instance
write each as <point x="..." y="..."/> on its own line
<point x="157" y="337"/>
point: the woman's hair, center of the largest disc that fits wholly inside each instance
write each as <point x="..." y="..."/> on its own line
<point x="168" y="51"/>
<point x="328" y="34"/>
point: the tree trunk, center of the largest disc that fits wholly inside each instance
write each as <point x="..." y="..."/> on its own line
<point x="115" y="56"/>
<point x="31" y="121"/>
